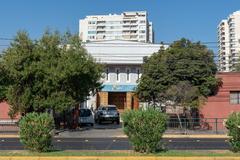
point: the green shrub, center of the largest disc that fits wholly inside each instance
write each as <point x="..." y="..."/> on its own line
<point x="144" y="129"/>
<point x="233" y="126"/>
<point x="35" y="131"/>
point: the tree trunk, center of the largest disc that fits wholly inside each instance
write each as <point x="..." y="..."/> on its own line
<point x="179" y="119"/>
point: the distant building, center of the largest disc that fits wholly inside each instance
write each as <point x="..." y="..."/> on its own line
<point x="229" y="42"/>
<point x="133" y="26"/>
<point x="122" y="60"/>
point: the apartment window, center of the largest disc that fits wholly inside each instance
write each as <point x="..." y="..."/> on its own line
<point x="91" y="27"/>
<point x="142" y="27"/>
<point x="142" y="31"/>
<point x="114" y="22"/>
<point x="91" y="37"/>
<point x="234" y="97"/>
<point x="142" y="21"/>
<point x="138" y="73"/>
<point x="117" y="72"/>
<point x="91" y="32"/>
<point x="107" y="74"/>
<point x="128" y="74"/>
<point x="91" y="22"/>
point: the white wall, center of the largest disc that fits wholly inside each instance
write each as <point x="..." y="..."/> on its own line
<point x="112" y="75"/>
<point x="121" y="52"/>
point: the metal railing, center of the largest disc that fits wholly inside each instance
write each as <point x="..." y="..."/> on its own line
<point x="197" y="125"/>
<point x="175" y="126"/>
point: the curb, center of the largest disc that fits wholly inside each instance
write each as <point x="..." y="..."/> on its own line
<point x="9" y="136"/>
<point x="186" y="136"/>
<point x="116" y="158"/>
<point x="124" y="136"/>
<point x="196" y="136"/>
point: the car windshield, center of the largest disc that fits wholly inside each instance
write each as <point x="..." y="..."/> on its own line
<point x="112" y="108"/>
<point x="85" y="113"/>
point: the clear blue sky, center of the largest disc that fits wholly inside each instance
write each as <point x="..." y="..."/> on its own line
<point x="172" y="19"/>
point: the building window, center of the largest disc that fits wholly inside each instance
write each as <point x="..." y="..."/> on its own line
<point x="234" y="97"/>
<point x="117" y="72"/>
<point x="128" y="74"/>
<point x="107" y="74"/>
<point x="91" y="27"/>
<point x="91" y="22"/>
<point x="138" y="73"/>
<point x="91" y="37"/>
<point x="142" y="27"/>
<point x="91" y="32"/>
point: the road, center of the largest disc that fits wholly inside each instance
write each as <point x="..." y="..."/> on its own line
<point x="121" y="144"/>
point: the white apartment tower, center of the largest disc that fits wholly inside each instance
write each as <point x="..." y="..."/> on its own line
<point x="229" y="42"/>
<point x="133" y="26"/>
<point x="223" y="44"/>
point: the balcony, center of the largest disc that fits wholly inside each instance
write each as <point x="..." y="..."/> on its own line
<point x="100" y="28"/>
<point x="101" y="22"/>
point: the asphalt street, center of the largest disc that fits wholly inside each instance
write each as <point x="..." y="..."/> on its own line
<point x="121" y="144"/>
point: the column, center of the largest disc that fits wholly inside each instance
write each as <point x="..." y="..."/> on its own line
<point x="103" y="98"/>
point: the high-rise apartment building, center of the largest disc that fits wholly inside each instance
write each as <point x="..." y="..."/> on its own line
<point x="133" y="26"/>
<point x="223" y="44"/>
<point x="229" y="42"/>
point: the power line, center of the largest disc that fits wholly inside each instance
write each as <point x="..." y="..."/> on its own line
<point x="6" y="39"/>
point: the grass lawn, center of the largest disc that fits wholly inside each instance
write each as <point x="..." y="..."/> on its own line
<point x="173" y="153"/>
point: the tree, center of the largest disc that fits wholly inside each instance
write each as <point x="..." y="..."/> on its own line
<point x="54" y="72"/>
<point x="182" y="96"/>
<point x="182" y="61"/>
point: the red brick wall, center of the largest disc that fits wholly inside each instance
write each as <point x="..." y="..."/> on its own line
<point x="219" y="106"/>
<point x="4" y="108"/>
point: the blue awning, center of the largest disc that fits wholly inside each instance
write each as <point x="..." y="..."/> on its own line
<point x="118" y="88"/>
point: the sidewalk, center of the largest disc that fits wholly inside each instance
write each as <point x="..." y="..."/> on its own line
<point x="124" y="136"/>
<point x="117" y="158"/>
<point x="116" y="131"/>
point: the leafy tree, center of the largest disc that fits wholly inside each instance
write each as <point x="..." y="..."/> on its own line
<point x="3" y="81"/>
<point x="182" y="61"/>
<point x="54" y="72"/>
<point x="182" y="96"/>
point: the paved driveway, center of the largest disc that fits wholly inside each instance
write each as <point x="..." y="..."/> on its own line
<point x="106" y="130"/>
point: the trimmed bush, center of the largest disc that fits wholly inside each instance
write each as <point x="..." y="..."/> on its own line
<point x="233" y="126"/>
<point x="35" y="131"/>
<point x="144" y="129"/>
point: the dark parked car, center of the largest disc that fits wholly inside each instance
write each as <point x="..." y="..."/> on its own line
<point x="107" y="113"/>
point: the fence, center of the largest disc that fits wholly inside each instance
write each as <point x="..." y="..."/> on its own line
<point x="175" y="126"/>
<point x="197" y="125"/>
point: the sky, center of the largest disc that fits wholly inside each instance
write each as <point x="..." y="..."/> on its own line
<point x="196" y="20"/>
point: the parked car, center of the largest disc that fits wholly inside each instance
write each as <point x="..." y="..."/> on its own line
<point x="107" y="113"/>
<point x="86" y="117"/>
